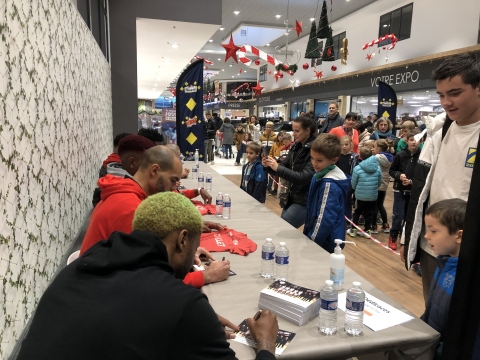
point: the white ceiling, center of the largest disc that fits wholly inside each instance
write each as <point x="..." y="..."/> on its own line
<point x="158" y="63"/>
<point x="257" y="17"/>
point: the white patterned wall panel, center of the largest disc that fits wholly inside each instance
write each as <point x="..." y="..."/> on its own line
<point x="55" y="127"/>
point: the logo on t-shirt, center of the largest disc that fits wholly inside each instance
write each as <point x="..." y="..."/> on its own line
<point x="470" y="160"/>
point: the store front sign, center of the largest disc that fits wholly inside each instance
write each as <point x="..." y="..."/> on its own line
<point x="264" y="99"/>
<point x="396" y="79"/>
<point x="234" y="105"/>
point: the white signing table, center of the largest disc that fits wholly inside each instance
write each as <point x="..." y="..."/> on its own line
<point x="237" y="297"/>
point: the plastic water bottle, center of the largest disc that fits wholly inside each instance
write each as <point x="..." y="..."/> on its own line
<point x="354" y="311"/>
<point x="201" y="180"/>
<point x="328" y="309"/>
<point x="208" y="184"/>
<point x="219" y="205"/>
<point x="227" y="207"/>
<point x="194" y="171"/>
<point x="281" y="262"/>
<point x="196" y="157"/>
<point x="268" y="259"/>
<point x="182" y="158"/>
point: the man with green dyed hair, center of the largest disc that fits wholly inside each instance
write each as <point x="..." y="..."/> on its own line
<point x="123" y="298"/>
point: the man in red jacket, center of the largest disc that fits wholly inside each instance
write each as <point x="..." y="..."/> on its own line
<point x="125" y="160"/>
<point x="159" y="171"/>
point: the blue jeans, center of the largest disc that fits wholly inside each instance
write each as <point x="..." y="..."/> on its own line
<point x="400" y="206"/>
<point x="295" y="215"/>
<point x="240" y="152"/>
<point x="227" y="150"/>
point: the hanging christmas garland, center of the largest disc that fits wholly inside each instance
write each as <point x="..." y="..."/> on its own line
<point x="291" y="69"/>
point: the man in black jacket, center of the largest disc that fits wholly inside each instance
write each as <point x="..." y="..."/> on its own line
<point x="123" y="298"/>
<point x="217" y="121"/>
<point x="333" y="119"/>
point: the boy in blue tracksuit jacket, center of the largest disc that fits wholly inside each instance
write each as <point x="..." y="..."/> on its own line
<point x="325" y="220"/>
<point x="366" y="179"/>
<point x="443" y="232"/>
<point x="254" y="179"/>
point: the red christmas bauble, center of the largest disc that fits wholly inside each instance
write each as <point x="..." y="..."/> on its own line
<point x="280" y="75"/>
<point x="334" y="68"/>
<point x="257" y="62"/>
<point x="305" y="66"/>
<point x="285" y="66"/>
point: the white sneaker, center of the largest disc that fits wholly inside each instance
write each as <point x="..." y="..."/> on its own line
<point x="212" y="162"/>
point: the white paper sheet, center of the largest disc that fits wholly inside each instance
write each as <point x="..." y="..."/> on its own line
<point x="377" y="314"/>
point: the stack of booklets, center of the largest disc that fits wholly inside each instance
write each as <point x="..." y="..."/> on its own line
<point x="290" y="302"/>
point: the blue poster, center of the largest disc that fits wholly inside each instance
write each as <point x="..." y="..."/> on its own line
<point x="190" y="120"/>
<point x="387" y="102"/>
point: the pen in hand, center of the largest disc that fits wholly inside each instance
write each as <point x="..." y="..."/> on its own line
<point x="257" y="315"/>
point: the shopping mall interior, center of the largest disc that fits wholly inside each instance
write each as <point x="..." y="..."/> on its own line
<point x="77" y="73"/>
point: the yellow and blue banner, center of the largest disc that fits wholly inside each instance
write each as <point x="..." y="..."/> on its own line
<point x="190" y="110"/>
<point x="387" y="102"/>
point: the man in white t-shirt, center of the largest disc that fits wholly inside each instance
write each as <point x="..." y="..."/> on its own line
<point x="445" y="165"/>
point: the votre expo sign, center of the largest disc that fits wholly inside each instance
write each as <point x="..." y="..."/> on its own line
<point x="396" y="79"/>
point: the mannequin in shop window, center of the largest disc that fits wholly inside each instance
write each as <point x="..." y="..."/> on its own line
<point x="332" y="120"/>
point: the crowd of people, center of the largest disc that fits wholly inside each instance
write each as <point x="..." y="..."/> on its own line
<point x="137" y="246"/>
<point x="349" y="163"/>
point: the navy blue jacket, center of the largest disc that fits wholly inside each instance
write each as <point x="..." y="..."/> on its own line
<point x="325" y="219"/>
<point x="438" y="304"/>
<point x="257" y="182"/>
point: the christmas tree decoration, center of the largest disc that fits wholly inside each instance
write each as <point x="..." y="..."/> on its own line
<point x="257" y="62"/>
<point x="318" y="74"/>
<point x="298" y="27"/>
<point x="328" y="53"/>
<point x="240" y="71"/>
<point x="323" y="26"/>
<point x="344" y="51"/>
<point x="305" y="66"/>
<point x="269" y="72"/>
<point x="334" y="68"/>
<point x="257" y="89"/>
<point x="312" y="51"/>
<point x="231" y="50"/>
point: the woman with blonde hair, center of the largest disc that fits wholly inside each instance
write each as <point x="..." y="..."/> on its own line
<point x="383" y="129"/>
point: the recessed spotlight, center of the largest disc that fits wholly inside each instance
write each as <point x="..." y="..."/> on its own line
<point x="223" y="69"/>
<point x="267" y="44"/>
<point x="238" y="74"/>
<point x="175" y="46"/>
<point x="312" y="19"/>
<point x="278" y="16"/>
<point x="219" y="59"/>
<point x="210" y="40"/>
<point x="231" y="65"/>
<point x="233" y="76"/>
<point x="385" y="25"/>
<point x="236" y="12"/>
<point x="222" y="28"/>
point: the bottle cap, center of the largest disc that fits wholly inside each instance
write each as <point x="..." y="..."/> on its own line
<point x="329" y="282"/>
<point x="226" y="194"/>
<point x="219" y="193"/>
<point x="283" y="243"/>
<point x="357" y="283"/>
<point x="269" y="239"/>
